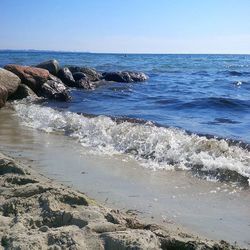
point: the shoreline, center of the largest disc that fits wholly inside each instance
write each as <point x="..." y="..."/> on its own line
<point x="123" y="185"/>
<point x="39" y="213"/>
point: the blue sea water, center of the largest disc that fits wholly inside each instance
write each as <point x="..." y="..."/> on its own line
<point x="199" y="104"/>
<point x="208" y="94"/>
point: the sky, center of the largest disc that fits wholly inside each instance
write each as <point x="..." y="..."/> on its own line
<point x="127" y="26"/>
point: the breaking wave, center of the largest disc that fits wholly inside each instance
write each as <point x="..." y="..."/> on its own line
<point x="153" y="146"/>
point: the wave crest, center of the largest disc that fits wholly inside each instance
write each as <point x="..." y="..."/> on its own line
<point x="154" y="147"/>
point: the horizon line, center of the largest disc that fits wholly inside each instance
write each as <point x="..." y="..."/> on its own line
<point x="123" y="53"/>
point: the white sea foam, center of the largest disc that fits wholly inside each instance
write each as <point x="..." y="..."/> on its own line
<point x="155" y="147"/>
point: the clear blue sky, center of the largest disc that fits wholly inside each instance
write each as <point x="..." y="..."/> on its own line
<point x="127" y="26"/>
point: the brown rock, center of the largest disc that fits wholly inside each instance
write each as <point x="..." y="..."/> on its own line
<point x="31" y="76"/>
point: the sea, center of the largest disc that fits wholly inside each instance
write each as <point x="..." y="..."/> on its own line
<point x="192" y="114"/>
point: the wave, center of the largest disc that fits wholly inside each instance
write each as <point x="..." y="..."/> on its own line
<point x="154" y="147"/>
<point x="234" y="73"/>
<point x="218" y="103"/>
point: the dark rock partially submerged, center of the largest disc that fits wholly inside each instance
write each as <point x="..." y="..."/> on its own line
<point x="66" y="77"/>
<point x="55" y="89"/>
<point x="52" y="66"/>
<point x="125" y="76"/>
<point x="90" y="73"/>
<point x="79" y="75"/>
<point x="23" y="91"/>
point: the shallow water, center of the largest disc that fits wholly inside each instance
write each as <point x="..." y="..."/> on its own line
<point x="213" y="209"/>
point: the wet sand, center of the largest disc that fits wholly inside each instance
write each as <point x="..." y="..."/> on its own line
<point x="213" y="210"/>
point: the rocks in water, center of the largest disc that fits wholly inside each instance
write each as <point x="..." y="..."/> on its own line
<point x="125" y="76"/>
<point x="52" y="66"/>
<point x="66" y="77"/>
<point x="41" y="82"/>
<point x="90" y="73"/>
<point x="23" y="91"/>
<point x="47" y="80"/>
<point x="30" y="76"/>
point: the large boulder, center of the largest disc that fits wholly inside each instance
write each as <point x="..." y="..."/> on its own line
<point x="23" y="91"/>
<point x="52" y="66"/>
<point x="9" y="80"/>
<point x="3" y="96"/>
<point x="55" y="89"/>
<point x="41" y="81"/>
<point x="92" y="74"/>
<point x="31" y="76"/>
<point x="9" y="83"/>
<point x="125" y="76"/>
<point x="66" y="77"/>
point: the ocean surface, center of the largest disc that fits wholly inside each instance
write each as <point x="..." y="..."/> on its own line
<point x="192" y="113"/>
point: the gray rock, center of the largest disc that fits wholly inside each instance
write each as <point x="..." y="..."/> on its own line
<point x="92" y="74"/>
<point x="3" y="96"/>
<point x="52" y="66"/>
<point x="125" y="76"/>
<point x="66" y="77"/>
<point x="23" y="91"/>
<point x="9" y="80"/>
<point x="55" y="89"/>
<point x="84" y="84"/>
<point x="9" y="83"/>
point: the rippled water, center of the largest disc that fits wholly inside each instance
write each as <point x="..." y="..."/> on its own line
<point x="203" y="94"/>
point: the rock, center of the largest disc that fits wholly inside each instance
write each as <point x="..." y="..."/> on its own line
<point x="92" y="74"/>
<point x="41" y="82"/>
<point x="66" y="77"/>
<point x="125" y="76"/>
<point x="23" y="91"/>
<point x="55" y="89"/>
<point x="52" y="66"/>
<point x="9" y="83"/>
<point x="79" y="75"/>
<point x="3" y="96"/>
<point x="9" y="80"/>
<point x="30" y="76"/>
<point x="84" y="83"/>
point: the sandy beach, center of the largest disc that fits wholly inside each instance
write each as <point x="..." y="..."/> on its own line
<point x="117" y="183"/>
